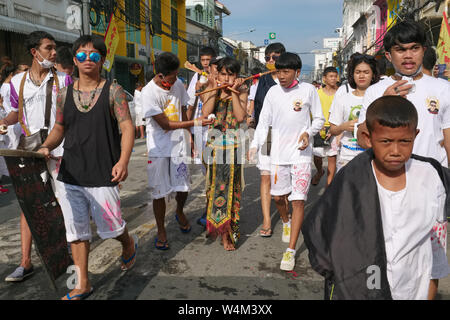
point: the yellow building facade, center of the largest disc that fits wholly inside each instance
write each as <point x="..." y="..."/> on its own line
<point x="146" y="28"/>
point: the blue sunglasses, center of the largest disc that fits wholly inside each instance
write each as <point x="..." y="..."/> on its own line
<point x="93" y="56"/>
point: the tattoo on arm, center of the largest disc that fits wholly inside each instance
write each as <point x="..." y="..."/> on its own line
<point x="60" y="101"/>
<point x="120" y="103"/>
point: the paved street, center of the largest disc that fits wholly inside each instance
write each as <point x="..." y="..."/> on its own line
<point x="194" y="268"/>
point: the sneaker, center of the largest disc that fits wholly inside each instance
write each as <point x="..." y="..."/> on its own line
<point x="19" y="274"/>
<point x="288" y="261"/>
<point x="286" y="237"/>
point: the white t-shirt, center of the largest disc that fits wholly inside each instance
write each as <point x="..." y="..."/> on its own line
<point x="137" y="104"/>
<point x="288" y="112"/>
<point x="429" y="92"/>
<point x="252" y="93"/>
<point x="346" y="107"/>
<point x="34" y="102"/>
<point x="415" y="253"/>
<point x="155" y="101"/>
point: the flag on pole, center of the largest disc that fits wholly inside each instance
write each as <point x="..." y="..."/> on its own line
<point x="111" y="42"/>
<point x="443" y="47"/>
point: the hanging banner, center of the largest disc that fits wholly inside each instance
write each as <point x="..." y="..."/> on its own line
<point x="394" y="7"/>
<point x="111" y="42"/>
<point x="443" y="46"/>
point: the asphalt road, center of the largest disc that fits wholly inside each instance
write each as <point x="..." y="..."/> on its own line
<point x="194" y="268"/>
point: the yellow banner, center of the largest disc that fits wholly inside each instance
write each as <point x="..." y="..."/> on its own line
<point x="443" y="46"/>
<point x="394" y="7"/>
<point x="111" y="42"/>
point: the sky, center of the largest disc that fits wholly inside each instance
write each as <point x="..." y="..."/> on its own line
<point x="299" y="24"/>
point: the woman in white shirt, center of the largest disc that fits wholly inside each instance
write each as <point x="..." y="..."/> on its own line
<point x="362" y="72"/>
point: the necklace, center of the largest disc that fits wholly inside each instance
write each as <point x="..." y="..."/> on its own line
<point x="87" y="106"/>
<point x="36" y="83"/>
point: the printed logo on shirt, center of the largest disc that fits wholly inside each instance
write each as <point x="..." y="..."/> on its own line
<point x="354" y="113"/>
<point x="171" y="112"/>
<point x="433" y="105"/>
<point x="298" y="105"/>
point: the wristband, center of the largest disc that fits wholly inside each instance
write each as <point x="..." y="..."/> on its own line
<point x="44" y="147"/>
<point x="197" y="122"/>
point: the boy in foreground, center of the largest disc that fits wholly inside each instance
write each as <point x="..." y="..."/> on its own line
<point x="379" y="231"/>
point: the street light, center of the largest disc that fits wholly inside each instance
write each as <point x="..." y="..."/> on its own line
<point x="237" y="33"/>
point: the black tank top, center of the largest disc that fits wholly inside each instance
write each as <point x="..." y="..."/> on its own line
<point x="92" y="143"/>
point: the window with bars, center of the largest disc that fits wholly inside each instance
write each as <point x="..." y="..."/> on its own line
<point x="133" y="13"/>
<point x="131" y="51"/>
<point x="174" y="23"/>
<point x="156" y="16"/>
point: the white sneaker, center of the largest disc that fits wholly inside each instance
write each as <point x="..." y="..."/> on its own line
<point x="286" y="237"/>
<point x="288" y="261"/>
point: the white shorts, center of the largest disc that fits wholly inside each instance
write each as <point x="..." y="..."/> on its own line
<point x="292" y="179"/>
<point x="167" y="175"/>
<point x="328" y="151"/>
<point x="103" y="203"/>
<point x="263" y="163"/>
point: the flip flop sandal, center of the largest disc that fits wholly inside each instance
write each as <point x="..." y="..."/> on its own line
<point x="183" y="228"/>
<point x="265" y="233"/>
<point x="81" y="296"/>
<point x="125" y="261"/>
<point x="165" y="245"/>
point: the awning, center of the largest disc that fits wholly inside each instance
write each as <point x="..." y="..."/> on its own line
<point x="20" y="26"/>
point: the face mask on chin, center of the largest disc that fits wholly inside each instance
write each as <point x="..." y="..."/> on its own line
<point x="46" y="64"/>
<point x="270" y="66"/>
<point x="166" y="85"/>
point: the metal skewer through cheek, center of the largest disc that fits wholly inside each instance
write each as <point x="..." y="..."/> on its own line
<point x="255" y="76"/>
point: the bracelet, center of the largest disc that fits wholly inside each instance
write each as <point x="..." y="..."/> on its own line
<point x="44" y="147"/>
<point x="197" y="122"/>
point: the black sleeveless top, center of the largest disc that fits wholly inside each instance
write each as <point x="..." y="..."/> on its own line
<point x="92" y="142"/>
<point x="264" y="84"/>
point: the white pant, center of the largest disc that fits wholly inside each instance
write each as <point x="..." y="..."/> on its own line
<point x="263" y="163"/>
<point x="292" y="179"/>
<point x="103" y="203"/>
<point x="167" y="175"/>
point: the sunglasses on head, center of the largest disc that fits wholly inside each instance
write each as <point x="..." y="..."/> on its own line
<point x="93" y="56"/>
<point x="274" y="57"/>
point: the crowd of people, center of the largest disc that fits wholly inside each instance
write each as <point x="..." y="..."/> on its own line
<point x="386" y="140"/>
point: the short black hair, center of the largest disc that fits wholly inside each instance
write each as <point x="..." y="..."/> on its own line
<point x="329" y="70"/>
<point x="382" y="65"/>
<point x="357" y="60"/>
<point x="166" y="63"/>
<point x="429" y="58"/>
<point x="230" y="65"/>
<point x="149" y="75"/>
<point x="289" y="60"/>
<point x="34" y="39"/>
<point x="392" y="112"/>
<point x="407" y="31"/>
<point x="207" y="51"/>
<point x="64" y="57"/>
<point x="276" y="47"/>
<point x="97" y="42"/>
<point x="7" y="70"/>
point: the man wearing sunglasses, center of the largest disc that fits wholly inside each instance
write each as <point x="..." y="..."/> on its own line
<point x="42" y="48"/>
<point x="89" y="114"/>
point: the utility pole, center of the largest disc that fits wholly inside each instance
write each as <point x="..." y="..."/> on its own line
<point x="85" y="17"/>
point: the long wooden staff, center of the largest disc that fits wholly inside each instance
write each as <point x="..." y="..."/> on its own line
<point x="192" y="67"/>
<point x="255" y="76"/>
